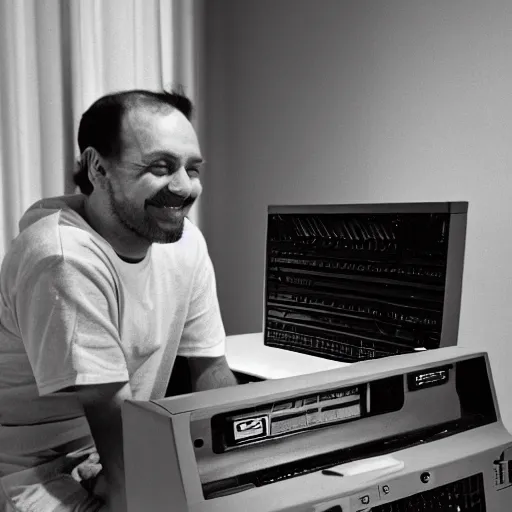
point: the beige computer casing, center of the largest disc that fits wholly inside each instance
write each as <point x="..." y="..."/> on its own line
<point x="166" y="466"/>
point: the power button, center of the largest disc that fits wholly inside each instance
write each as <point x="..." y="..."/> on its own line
<point x="364" y="498"/>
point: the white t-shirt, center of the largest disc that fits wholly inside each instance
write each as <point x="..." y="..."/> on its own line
<point x="73" y="313"/>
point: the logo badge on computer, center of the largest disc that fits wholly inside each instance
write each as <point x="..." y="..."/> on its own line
<point x="250" y="427"/>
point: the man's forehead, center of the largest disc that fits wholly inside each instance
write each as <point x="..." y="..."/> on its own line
<point x="147" y="131"/>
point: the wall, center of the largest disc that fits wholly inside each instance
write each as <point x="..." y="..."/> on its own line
<point x="362" y="101"/>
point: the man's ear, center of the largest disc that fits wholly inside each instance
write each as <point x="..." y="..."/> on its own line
<point x="94" y="162"/>
<point x="89" y="155"/>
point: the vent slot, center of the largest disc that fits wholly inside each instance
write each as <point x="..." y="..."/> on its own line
<point x="466" y="495"/>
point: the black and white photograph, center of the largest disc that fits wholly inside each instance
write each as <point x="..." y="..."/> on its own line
<point x="255" y="255"/>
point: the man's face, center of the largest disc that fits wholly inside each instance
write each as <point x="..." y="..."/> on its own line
<point x="156" y="178"/>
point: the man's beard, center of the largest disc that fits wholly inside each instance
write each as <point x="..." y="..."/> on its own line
<point x="143" y="224"/>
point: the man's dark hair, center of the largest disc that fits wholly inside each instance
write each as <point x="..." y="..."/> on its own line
<point x="100" y="126"/>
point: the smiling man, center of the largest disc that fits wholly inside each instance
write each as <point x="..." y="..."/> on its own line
<point x="99" y="294"/>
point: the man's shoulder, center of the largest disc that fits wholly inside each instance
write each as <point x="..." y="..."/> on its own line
<point x="41" y="226"/>
<point x="36" y="246"/>
<point x="55" y="238"/>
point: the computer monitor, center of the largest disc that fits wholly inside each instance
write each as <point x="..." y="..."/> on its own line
<point x="364" y="281"/>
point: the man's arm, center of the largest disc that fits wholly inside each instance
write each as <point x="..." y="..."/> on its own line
<point x="210" y="372"/>
<point x="102" y="407"/>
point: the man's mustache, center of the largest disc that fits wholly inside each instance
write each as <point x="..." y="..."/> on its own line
<point x="164" y="199"/>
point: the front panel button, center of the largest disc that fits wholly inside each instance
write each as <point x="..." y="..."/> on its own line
<point x="425" y="477"/>
<point x="364" y="498"/>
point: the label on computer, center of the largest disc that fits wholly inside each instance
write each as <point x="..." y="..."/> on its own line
<point x="428" y="378"/>
<point x="249" y="428"/>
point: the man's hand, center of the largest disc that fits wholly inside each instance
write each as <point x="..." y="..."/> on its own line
<point x="87" y="470"/>
<point x="102" y="407"/>
<point x="210" y="373"/>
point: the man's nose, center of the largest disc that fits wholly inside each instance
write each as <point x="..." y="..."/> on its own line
<point x="180" y="183"/>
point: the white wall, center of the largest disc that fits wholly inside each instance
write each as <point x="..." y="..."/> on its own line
<point x="334" y="101"/>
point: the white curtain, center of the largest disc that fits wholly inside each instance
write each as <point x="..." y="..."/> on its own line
<point x="56" y="58"/>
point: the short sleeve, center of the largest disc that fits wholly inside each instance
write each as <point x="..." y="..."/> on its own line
<point x="68" y="320"/>
<point x="203" y="334"/>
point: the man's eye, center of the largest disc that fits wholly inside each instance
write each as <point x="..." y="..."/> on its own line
<point x="193" y="172"/>
<point x="160" y="168"/>
<point x="163" y="168"/>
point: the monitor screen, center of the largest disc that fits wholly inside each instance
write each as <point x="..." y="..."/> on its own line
<point x="355" y="282"/>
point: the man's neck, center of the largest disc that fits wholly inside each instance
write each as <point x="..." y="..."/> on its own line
<point x="123" y="243"/>
<point x="130" y="260"/>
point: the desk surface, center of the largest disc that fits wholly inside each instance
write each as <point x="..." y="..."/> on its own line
<point x="247" y="354"/>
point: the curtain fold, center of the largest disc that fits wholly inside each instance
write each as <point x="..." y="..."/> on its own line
<point x="56" y="58"/>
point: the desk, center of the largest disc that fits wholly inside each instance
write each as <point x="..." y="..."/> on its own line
<point x="246" y="354"/>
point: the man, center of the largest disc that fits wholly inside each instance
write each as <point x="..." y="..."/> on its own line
<point x="98" y="295"/>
